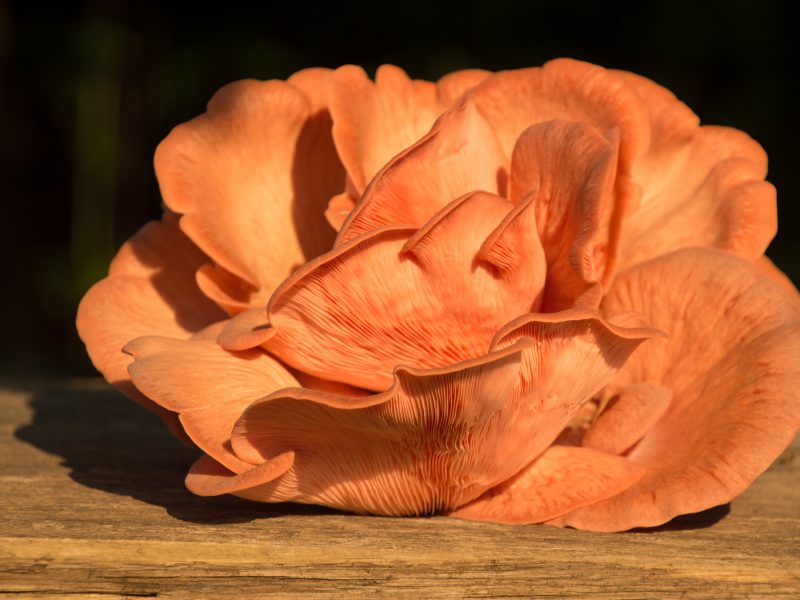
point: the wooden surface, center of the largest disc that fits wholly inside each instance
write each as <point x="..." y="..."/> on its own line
<point x="93" y="506"/>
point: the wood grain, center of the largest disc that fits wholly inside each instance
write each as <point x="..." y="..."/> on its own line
<point x="93" y="506"/>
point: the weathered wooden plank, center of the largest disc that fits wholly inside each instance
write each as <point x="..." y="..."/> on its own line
<point x="94" y="506"/>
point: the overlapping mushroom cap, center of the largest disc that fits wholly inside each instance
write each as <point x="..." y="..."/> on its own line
<point x="529" y="296"/>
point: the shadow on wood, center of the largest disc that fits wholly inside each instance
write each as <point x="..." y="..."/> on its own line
<point x="109" y="443"/>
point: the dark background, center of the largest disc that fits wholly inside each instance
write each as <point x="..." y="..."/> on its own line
<point x="88" y="90"/>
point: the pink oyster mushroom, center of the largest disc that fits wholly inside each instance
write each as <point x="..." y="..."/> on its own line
<point x="531" y="296"/>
